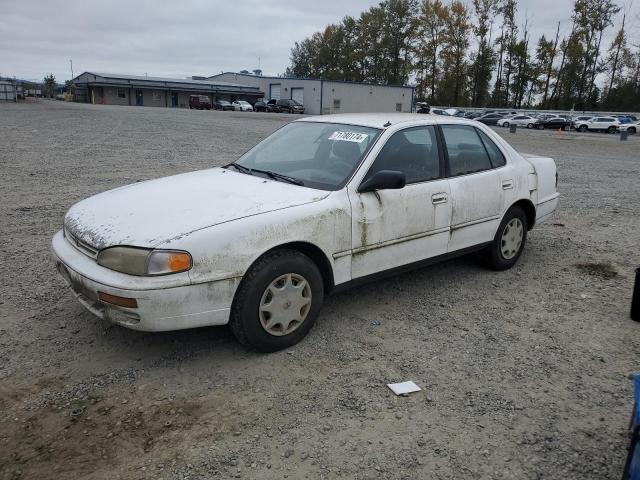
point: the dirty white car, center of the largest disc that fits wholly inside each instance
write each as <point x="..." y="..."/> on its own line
<point x="321" y="204"/>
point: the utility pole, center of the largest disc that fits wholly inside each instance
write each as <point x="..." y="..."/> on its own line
<point x="71" y="64"/>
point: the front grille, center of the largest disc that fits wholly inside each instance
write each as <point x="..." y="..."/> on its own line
<point x="81" y="246"/>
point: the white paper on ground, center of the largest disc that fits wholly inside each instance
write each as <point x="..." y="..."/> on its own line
<point x="403" y="387"/>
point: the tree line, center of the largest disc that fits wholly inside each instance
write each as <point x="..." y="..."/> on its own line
<point x="478" y="55"/>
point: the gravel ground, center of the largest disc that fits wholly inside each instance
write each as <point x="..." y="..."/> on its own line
<point x="524" y="372"/>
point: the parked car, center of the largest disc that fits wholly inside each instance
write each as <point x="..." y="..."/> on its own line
<point x="201" y="102"/>
<point x="599" y="124"/>
<point x="272" y="106"/>
<point x="423" y="107"/>
<point x="489" y="118"/>
<point x="629" y="128"/>
<point x="288" y="105"/>
<point x="242" y="106"/>
<point x="579" y="119"/>
<point x="555" y="123"/>
<point x="520" y="120"/>
<point x="473" y="115"/>
<point x="439" y="111"/>
<point x="323" y="203"/>
<point x="222" y="105"/>
<point x="260" y="106"/>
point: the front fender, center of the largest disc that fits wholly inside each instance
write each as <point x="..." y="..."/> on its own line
<point x="227" y="250"/>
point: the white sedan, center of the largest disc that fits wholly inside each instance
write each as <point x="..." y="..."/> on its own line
<point x="519" y="120"/>
<point x="242" y="106"/>
<point x="321" y="204"/>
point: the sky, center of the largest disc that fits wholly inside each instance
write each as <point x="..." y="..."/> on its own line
<point x="189" y="37"/>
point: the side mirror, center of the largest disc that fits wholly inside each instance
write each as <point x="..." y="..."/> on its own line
<point x="383" y="180"/>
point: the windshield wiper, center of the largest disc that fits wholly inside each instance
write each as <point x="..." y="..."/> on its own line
<point x="279" y="176"/>
<point x="268" y="173"/>
<point x="239" y="167"/>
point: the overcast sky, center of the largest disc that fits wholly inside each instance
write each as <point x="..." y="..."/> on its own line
<point x="183" y="38"/>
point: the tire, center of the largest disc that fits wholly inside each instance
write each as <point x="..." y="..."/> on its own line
<point x="529" y="126"/>
<point x="495" y="255"/>
<point x="563" y="128"/>
<point x="283" y="266"/>
<point x="611" y="129"/>
<point x="505" y="124"/>
<point x="541" y="127"/>
<point x="631" y="130"/>
<point x="582" y="128"/>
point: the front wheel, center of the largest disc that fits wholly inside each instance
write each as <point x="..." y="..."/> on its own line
<point x="277" y="301"/>
<point x="509" y="241"/>
<point x="631" y="130"/>
<point x="611" y="129"/>
<point x="582" y="128"/>
<point x="529" y="126"/>
<point x="505" y="124"/>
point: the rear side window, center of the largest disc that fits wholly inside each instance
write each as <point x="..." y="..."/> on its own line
<point x="467" y="153"/>
<point x="495" y="155"/>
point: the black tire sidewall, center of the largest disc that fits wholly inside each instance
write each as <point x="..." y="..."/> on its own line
<point x="495" y="258"/>
<point x="245" y="322"/>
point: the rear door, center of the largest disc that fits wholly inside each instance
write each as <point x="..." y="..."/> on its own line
<point x="476" y="187"/>
<point x="391" y="228"/>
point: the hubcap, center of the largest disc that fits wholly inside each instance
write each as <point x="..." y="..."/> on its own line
<point x="285" y="304"/>
<point x="512" y="238"/>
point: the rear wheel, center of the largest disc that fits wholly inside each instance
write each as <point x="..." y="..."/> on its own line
<point x="631" y="130"/>
<point x="277" y="302"/>
<point x="582" y="128"/>
<point x="529" y="125"/>
<point x="509" y="241"/>
<point x="505" y="124"/>
<point x="611" y="129"/>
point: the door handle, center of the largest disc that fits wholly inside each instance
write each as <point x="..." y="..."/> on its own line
<point x="437" y="198"/>
<point x="507" y="184"/>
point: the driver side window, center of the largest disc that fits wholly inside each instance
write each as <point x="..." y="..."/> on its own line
<point x="413" y="151"/>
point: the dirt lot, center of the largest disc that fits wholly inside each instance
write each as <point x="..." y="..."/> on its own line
<point x="524" y="372"/>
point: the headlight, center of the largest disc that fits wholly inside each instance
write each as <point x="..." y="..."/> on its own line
<point x="143" y="261"/>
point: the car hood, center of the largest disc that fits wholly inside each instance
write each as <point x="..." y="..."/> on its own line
<point x="149" y="213"/>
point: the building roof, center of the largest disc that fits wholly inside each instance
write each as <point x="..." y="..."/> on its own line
<point x="114" y="76"/>
<point x="142" y="81"/>
<point x="306" y="78"/>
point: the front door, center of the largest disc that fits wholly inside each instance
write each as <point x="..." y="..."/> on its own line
<point x="391" y="228"/>
<point x="139" y="101"/>
<point x="475" y="185"/>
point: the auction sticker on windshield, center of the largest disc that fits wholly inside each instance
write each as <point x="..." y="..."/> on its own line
<point x="349" y="136"/>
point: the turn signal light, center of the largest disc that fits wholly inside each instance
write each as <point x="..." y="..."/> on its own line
<point x="116" y="300"/>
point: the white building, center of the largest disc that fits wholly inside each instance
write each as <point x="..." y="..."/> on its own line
<point x="328" y="96"/>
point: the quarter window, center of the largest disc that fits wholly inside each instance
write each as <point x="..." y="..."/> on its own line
<point x="413" y="151"/>
<point x="495" y="155"/>
<point x="467" y="153"/>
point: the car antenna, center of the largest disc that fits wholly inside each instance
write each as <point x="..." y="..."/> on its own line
<point x="388" y="124"/>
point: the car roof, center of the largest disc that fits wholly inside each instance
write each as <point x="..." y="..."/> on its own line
<point x="380" y="120"/>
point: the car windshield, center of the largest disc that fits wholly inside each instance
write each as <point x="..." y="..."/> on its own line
<point x="320" y="155"/>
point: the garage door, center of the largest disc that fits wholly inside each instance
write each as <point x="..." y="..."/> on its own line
<point x="274" y="91"/>
<point x="297" y="94"/>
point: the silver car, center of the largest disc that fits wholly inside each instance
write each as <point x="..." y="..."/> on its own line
<point x="520" y="120"/>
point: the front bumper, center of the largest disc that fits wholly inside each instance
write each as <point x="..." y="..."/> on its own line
<point x="163" y="304"/>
